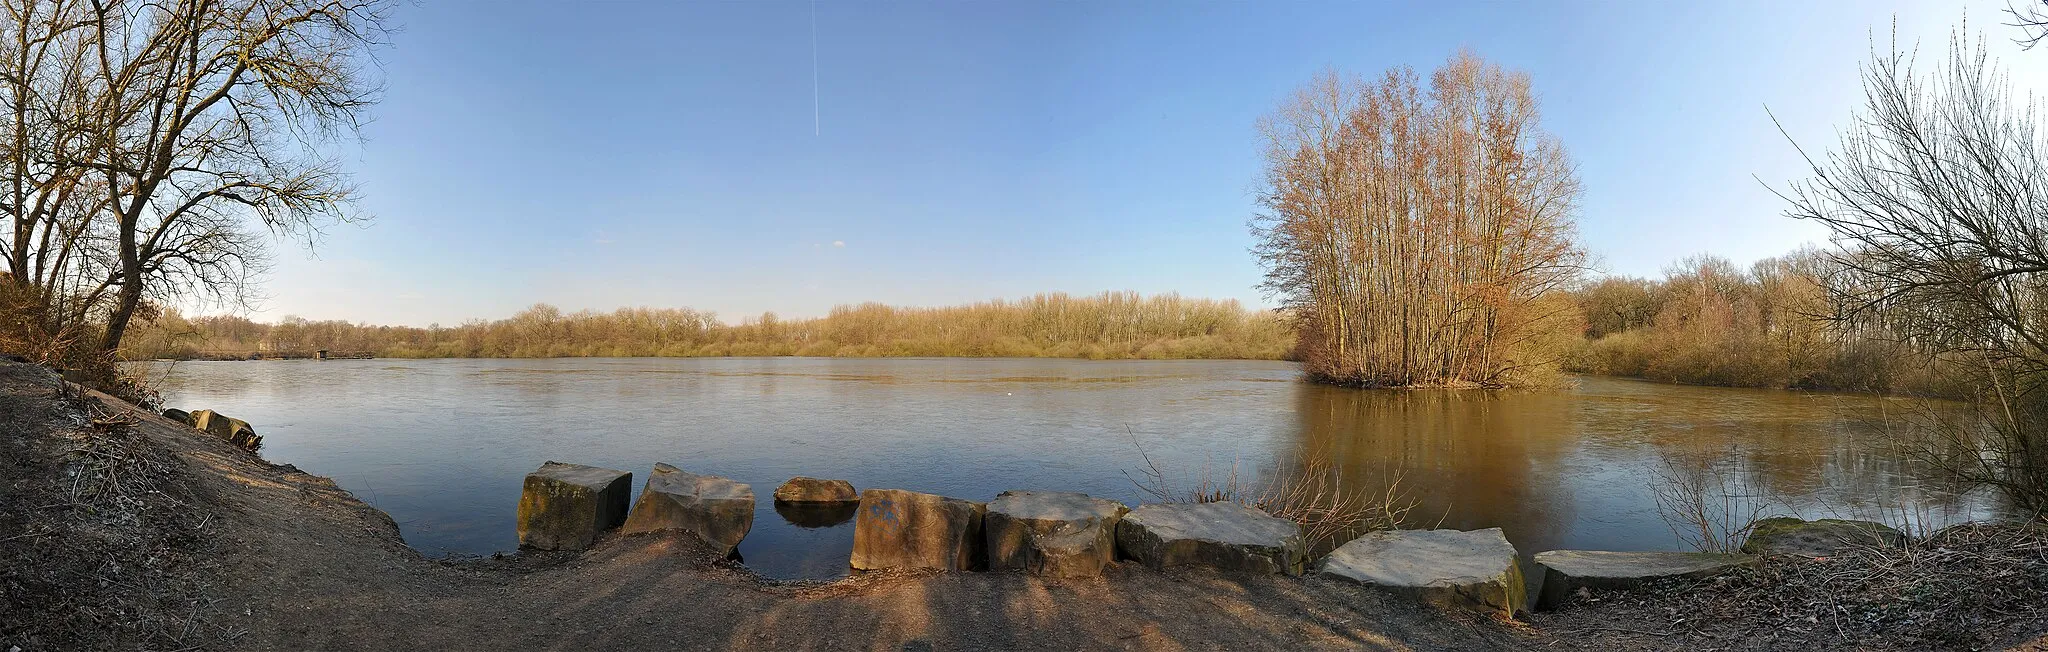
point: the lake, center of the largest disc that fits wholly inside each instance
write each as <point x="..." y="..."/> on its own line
<point x="443" y="445"/>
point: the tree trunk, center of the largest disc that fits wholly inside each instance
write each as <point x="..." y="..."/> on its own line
<point x="130" y="295"/>
<point x="117" y="322"/>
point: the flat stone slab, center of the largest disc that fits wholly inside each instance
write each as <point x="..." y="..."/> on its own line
<point x="1469" y="570"/>
<point x="1565" y="572"/>
<point x="802" y="489"/>
<point x="565" y="506"/>
<point x="1826" y="537"/>
<point x="906" y="529"/>
<point x="1222" y="535"/>
<point x="1052" y="533"/>
<point x="716" y="509"/>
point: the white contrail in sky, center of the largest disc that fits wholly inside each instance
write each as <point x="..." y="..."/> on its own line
<point x="814" y="69"/>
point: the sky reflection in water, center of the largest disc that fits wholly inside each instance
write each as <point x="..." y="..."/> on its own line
<point x="443" y="444"/>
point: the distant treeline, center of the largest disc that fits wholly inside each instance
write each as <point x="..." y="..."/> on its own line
<point x="1108" y="325"/>
<point x="1708" y="322"/>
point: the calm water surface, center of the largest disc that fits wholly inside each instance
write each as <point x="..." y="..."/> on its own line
<point x="443" y="445"/>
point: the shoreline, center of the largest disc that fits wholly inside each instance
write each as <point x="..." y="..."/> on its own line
<point x="286" y="560"/>
<point x="1288" y="360"/>
<point x="270" y="557"/>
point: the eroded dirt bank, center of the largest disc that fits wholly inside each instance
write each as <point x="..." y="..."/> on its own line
<point x="121" y="529"/>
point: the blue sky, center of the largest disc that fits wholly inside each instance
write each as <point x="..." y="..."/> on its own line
<point x="608" y="154"/>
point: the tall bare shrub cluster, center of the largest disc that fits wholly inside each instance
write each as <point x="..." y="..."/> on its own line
<point x="145" y="148"/>
<point x="1937" y="196"/>
<point x="1420" y="234"/>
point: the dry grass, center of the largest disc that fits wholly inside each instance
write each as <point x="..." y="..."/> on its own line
<point x="1314" y="493"/>
<point x="1969" y="586"/>
<point x="37" y="329"/>
<point x="1710" y="504"/>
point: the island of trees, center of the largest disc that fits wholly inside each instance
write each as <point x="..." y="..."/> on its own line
<point x="1420" y="235"/>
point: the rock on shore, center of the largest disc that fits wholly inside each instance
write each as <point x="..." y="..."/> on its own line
<point x="716" y="509"/>
<point x="802" y="489"/>
<point x="1567" y="571"/>
<point x="905" y="529"/>
<point x="1470" y="570"/>
<point x="1221" y="535"/>
<point x="565" y="506"/>
<point x="1052" y="533"/>
<point x="232" y="430"/>
<point x="1785" y="535"/>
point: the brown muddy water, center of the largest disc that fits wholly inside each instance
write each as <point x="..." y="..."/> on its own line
<point x="443" y="445"/>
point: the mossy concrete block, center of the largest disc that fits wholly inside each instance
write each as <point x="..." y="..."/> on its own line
<point x="1052" y="533"/>
<point x="1472" y="570"/>
<point x="802" y="489"/>
<point x="1785" y="535"/>
<point x="1565" y="572"/>
<point x="1221" y="535"/>
<point x="232" y="430"/>
<point x="906" y="529"/>
<point x="716" y="509"/>
<point x="565" y="506"/>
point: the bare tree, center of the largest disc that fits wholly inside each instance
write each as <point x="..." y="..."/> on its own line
<point x="216" y="111"/>
<point x="1937" y="196"/>
<point x="149" y="144"/>
<point x="2031" y="17"/>
<point x="1420" y="236"/>
<point x="52" y="206"/>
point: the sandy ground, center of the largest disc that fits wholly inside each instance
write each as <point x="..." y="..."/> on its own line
<point x="237" y="553"/>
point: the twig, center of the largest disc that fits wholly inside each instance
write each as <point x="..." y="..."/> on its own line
<point x="1623" y="630"/>
<point x="29" y="535"/>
